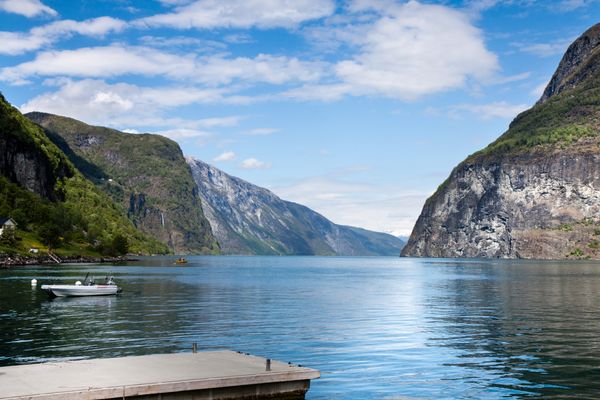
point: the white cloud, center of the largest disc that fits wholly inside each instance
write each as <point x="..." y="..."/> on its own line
<point x="182" y="133"/>
<point x="105" y="61"/>
<point x="500" y="80"/>
<point x="401" y="51"/>
<point x="139" y="109"/>
<point x="208" y="14"/>
<point x="17" y="42"/>
<point x="92" y="27"/>
<point x="477" y="6"/>
<point x="262" y="131"/>
<point x="238" y="38"/>
<point x="220" y="121"/>
<point x="199" y="45"/>
<point x="405" y="54"/>
<point x="27" y="8"/>
<point x="119" y="60"/>
<point x="253" y="163"/>
<point x="498" y="109"/>
<point x="376" y="207"/>
<point x="336" y="31"/>
<point x="175" y="2"/>
<point x="326" y="92"/>
<point x="571" y="5"/>
<point x="225" y="156"/>
<point x="545" y="49"/>
<point x="262" y="68"/>
<point x="122" y="104"/>
<point x="370" y="5"/>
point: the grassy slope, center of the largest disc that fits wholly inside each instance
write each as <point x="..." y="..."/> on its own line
<point x="140" y="163"/>
<point x="85" y="216"/>
<point x="560" y="122"/>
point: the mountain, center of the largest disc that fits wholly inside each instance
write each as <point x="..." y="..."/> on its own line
<point x="52" y="203"/>
<point x="535" y="191"/>
<point x="247" y="219"/>
<point x="145" y="174"/>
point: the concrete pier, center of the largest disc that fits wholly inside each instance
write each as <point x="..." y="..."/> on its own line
<point x="190" y="376"/>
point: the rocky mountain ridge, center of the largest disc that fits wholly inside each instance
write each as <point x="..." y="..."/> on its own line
<point x="535" y="191"/>
<point x="247" y="219"/>
<point x="578" y="63"/>
<point x="27" y="157"/>
<point x="145" y="174"/>
<point x="53" y="205"/>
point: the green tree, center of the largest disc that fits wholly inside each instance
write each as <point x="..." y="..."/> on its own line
<point x="120" y="244"/>
<point x="50" y="235"/>
<point x="8" y="237"/>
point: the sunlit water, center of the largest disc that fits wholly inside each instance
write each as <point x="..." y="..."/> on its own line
<point x="376" y="328"/>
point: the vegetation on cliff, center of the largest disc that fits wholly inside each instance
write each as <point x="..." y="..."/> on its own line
<point x="535" y="191"/>
<point x="70" y="216"/>
<point x="567" y="113"/>
<point x="145" y="174"/>
<point x="568" y="109"/>
<point x="561" y="121"/>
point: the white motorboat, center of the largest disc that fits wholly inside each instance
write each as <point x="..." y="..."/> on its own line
<point x="88" y="288"/>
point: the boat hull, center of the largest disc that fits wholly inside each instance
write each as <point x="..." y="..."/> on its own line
<point x="80" y="290"/>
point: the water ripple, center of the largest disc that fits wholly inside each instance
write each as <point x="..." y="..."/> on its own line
<point x="377" y="328"/>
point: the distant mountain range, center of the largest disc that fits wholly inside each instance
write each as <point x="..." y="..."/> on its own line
<point x="77" y="188"/>
<point x="247" y="219"/>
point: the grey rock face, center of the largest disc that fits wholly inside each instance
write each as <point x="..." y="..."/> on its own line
<point x="522" y="207"/>
<point x="29" y="167"/>
<point x="576" y="65"/>
<point x="247" y="219"/>
<point x="535" y="191"/>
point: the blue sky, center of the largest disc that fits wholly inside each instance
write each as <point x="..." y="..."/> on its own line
<point x="357" y="109"/>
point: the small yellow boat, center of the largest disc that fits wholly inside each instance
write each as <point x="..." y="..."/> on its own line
<point x="180" y="260"/>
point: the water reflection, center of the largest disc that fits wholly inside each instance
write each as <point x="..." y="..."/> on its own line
<point x="529" y="329"/>
<point x="375" y="327"/>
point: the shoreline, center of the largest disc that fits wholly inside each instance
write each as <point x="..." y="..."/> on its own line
<point x="7" y="261"/>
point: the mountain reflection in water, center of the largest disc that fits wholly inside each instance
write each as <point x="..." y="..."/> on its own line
<point x="375" y="327"/>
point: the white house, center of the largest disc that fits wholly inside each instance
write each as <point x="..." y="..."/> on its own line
<point x="7" y="223"/>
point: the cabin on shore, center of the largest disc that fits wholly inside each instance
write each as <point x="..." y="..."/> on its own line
<point x="7" y="223"/>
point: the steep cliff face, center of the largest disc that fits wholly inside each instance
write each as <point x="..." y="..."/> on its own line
<point x="534" y="192"/>
<point x="27" y="157"/>
<point x="247" y="219"/>
<point x="579" y="63"/>
<point x="146" y="174"/>
<point x="531" y="206"/>
<point x="51" y="201"/>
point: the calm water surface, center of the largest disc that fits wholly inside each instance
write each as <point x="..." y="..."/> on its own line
<point x="376" y="328"/>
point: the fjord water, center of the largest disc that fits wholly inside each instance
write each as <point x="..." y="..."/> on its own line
<point x="376" y="328"/>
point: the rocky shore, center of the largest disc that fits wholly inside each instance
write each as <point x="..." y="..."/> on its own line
<point x="12" y="260"/>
